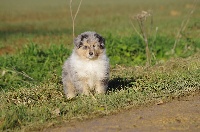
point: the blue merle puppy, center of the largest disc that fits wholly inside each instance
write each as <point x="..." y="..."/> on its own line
<point x="87" y="69"/>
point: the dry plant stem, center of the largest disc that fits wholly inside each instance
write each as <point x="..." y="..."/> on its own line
<point x="74" y="17"/>
<point x="17" y="72"/>
<point x="142" y="28"/>
<point x="136" y="30"/>
<point x="153" y="55"/>
<point x="151" y="28"/>
<point x="183" y="27"/>
<point x="141" y="18"/>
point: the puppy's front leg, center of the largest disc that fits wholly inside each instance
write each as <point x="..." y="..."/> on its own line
<point x="83" y="86"/>
<point x="101" y="86"/>
<point x="69" y="90"/>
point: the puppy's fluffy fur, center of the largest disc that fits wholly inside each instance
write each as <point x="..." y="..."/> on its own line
<point x="87" y="69"/>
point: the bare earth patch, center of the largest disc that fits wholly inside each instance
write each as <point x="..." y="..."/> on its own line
<point x="179" y="115"/>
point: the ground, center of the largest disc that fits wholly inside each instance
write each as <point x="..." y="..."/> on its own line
<point x="179" y="115"/>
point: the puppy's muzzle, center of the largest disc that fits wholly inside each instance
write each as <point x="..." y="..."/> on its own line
<point x="91" y="53"/>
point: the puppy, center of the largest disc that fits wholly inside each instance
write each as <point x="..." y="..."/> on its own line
<point x="87" y="69"/>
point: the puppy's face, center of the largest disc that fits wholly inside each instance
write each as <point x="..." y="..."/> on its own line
<point x="89" y="45"/>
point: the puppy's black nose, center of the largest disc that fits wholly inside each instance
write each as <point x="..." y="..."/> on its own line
<point x="90" y="53"/>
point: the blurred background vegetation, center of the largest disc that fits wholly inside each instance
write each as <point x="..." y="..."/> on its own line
<point x="48" y="21"/>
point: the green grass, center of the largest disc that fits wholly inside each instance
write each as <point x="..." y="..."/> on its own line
<point x="31" y="66"/>
<point x="36" y="38"/>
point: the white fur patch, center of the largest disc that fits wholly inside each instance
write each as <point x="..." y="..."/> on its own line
<point x="91" y="69"/>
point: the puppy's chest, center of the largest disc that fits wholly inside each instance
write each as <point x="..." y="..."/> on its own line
<point x="90" y="69"/>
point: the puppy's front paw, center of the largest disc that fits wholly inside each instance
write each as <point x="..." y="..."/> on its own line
<point x="100" y="89"/>
<point x="70" y="95"/>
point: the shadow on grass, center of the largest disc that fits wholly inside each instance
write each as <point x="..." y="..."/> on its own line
<point x="120" y="83"/>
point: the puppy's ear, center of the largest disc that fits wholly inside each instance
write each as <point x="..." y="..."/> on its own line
<point x="101" y="40"/>
<point x="78" y="42"/>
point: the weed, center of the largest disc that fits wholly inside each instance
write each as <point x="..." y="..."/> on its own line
<point x="74" y="17"/>
<point x="141" y="19"/>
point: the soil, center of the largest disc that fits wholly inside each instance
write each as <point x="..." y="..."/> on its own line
<point x="178" y="115"/>
<point x="6" y="50"/>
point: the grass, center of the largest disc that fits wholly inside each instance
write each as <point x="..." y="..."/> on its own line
<point x="36" y="38"/>
<point x="44" y="104"/>
<point x="31" y="66"/>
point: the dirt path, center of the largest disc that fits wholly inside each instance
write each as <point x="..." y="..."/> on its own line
<point x="179" y="115"/>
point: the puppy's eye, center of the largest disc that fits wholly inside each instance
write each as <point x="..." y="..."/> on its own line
<point x="85" y="47"/>
<point x="94" y="46"/>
